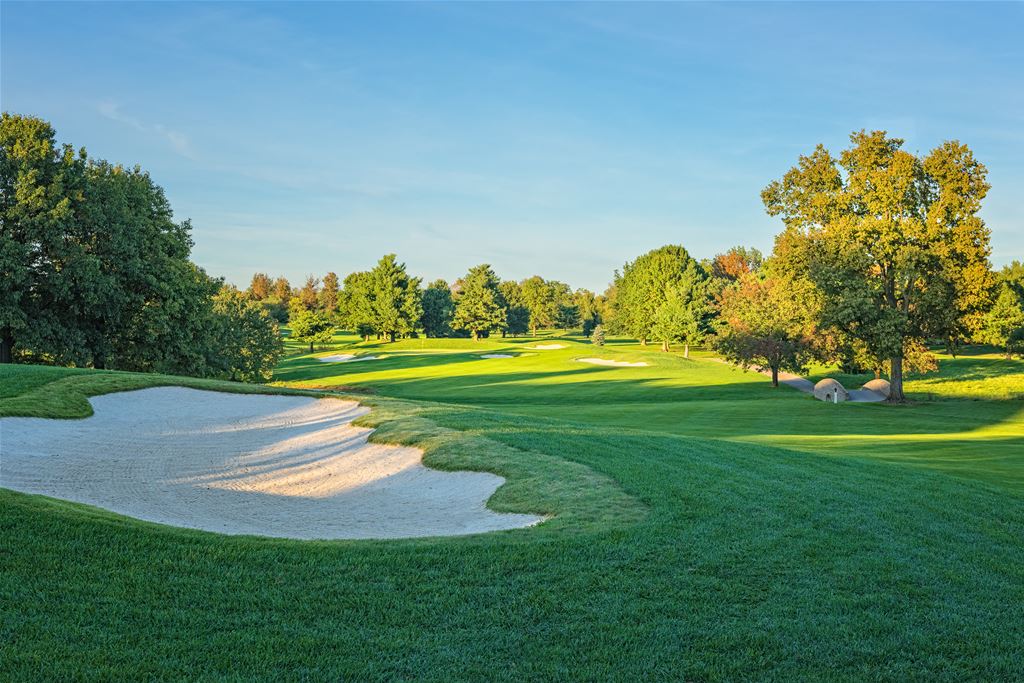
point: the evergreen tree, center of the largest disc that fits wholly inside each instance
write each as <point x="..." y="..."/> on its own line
<point x="438" y="308"/>
<point x="517" y="316"/>
<point x="395" y="304"/>
<point x="478" y="308"/>
<point x="356" y="302"/>
<point x="597" y="338"/>
<point x="329" y="295"/>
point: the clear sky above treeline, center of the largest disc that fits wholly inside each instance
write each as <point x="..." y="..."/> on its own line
<point x="554" y="139"/>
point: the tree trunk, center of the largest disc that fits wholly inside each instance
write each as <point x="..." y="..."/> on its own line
<point x="643" y="341"/>
<point x="775" y="377"/>
<point x="664" y="345"/>
<point x="896" y="380"/>
<point x="311" y="347"/>
<point x="391" y="336"/>
<point x="476" y="335"/>
<point x="878" y="373"/>
<point x="686" y="350"/>
<point x="6" y="348"/>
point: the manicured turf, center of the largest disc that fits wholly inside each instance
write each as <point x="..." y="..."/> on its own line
<point x="707" y="527"/>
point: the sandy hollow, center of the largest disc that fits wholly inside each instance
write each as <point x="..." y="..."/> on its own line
<point x="496" y="355"/>
<point x="284" y="466"/>
<point x="616" y="363"/>
<point x="344" y="358"/>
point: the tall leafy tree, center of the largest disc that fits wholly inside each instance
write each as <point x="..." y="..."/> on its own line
<point x="40" y="188"/>
<point x="479" y="308"/>
<point x="683" y="317"/>
<point x="645" y="284"/>
<point x="1004" y="323"/>
<point x="588" y="306"/>
<point x="248" y="342"/>
<point x="260" y="287"/>
<point x="539" y="299"/>
<point x="329" y="295"/>
<point x="395" y="304"/>
<point x="438" y="309"/>
<point x="766" y="323"/>
<point x="282" y="291"/>
<point x="893" y="241"/>
<point x="356" y="304"/>
<point x="517" y="316"/>
<point x="312" y="327"/>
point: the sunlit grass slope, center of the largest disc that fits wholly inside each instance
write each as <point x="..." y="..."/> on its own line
<point x="707" y="528"/>
<point x="951" y="426"/>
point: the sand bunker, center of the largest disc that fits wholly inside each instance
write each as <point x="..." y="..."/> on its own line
<point x="344" y="358"/>
<point x="616" y="363"/>
<point x="496" y="355"/>
<point x="285" y="466"/>
<point x="547" y="347"/>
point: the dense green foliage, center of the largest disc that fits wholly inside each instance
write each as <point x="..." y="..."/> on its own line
<point x="438" y="309"/>
<point x="893" y="242"/>
<point x="479" y="307"/>
<point x="96" y="272"/>
<point x="311" y="327"/>
<point x="664" y="295"/>
<point x="706" y="528"/>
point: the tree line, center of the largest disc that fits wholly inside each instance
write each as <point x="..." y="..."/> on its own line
<point x="882" y="253"/>
<point x="96" y="271"/>
<point x="387" y="303"/>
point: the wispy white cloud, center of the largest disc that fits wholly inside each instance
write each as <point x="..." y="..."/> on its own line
<point x="178" y="141"/>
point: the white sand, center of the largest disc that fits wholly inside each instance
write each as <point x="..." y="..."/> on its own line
<point x="547" y="347"/>
<point x="496" y="355"/>
<point x="285" y="466"/>
<point x="616" y="363"/>
<point x="344" y="358"/>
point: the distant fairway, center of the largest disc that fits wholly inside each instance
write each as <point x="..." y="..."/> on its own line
<point x="706" y="527"/>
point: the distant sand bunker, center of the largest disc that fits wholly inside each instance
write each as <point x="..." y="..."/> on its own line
<point x="283" y="466"/>
<point x="344" y="358"/>
<point x="616" y="363"/>
<point x="496" y="355"/>
<point x="547" y="347"/>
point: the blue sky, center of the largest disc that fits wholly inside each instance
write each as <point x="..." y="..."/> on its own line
<point x="550" y="139"/>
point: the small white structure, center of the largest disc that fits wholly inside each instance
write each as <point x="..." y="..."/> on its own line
<point x="879" y="386"/>
<point x="831" y="391"/>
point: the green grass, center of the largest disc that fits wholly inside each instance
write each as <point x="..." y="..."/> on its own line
<point x="706" y="527"/>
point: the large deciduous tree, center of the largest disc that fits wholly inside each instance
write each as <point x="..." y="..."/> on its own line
<point x="248" y="340"/>
<point x="766" y="322"/>
<point x="892" y="241"/>
<point x="479" y="308"/>
<point x="647" y="283"/>
<point x="312" y="327"/>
